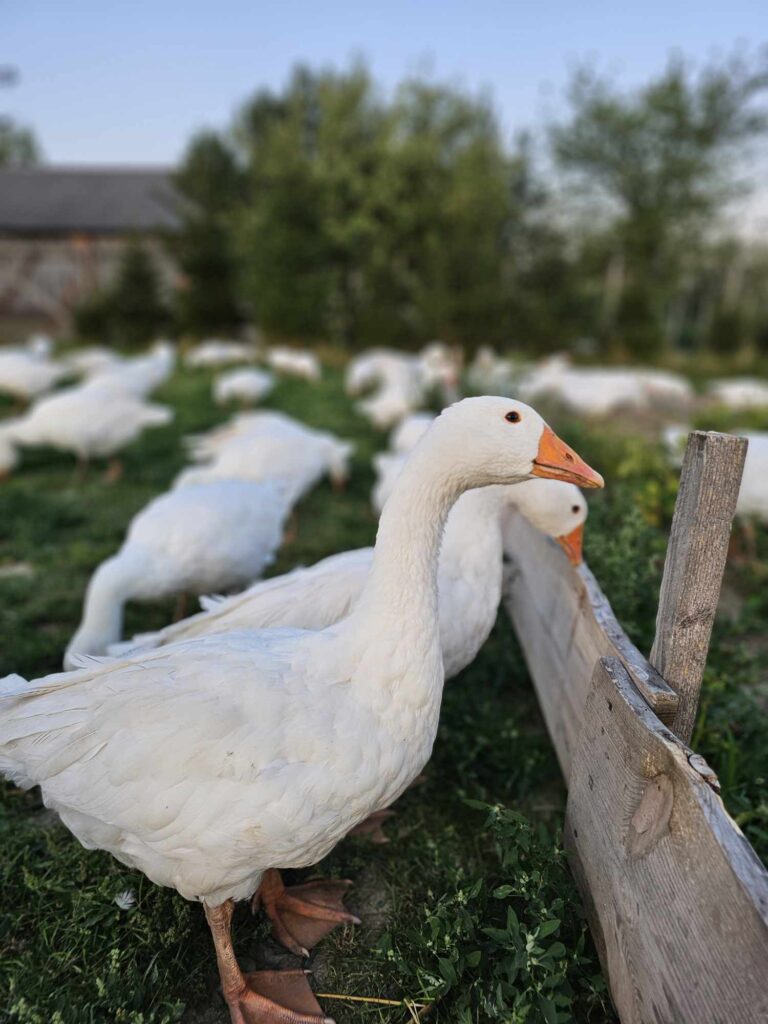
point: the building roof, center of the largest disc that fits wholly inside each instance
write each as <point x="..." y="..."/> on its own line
<point x="91" y="200"/>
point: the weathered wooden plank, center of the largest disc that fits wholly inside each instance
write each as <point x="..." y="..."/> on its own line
<point x="693" y="570"/>
<point x="677" y="898"/>
<point x="564" y="624"/>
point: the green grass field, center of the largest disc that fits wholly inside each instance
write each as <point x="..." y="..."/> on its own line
<point x="470" y="909"/>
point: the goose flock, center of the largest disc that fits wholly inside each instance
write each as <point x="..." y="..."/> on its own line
<point x="255" y="735"/>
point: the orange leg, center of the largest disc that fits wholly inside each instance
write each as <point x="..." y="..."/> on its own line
<point x="303" y="914"/>
<point x="261" y="997"/>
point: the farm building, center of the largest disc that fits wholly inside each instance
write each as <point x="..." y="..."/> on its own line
<point x="63" y="231"/>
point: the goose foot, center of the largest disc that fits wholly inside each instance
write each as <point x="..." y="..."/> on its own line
<point x="372" y="826"/>
<point x="262" y="997"/>
<point x="276" y="997"/>
<point x="302" y="915"/>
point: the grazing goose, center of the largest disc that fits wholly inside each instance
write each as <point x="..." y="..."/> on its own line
<point x="208" y="446"/>
<point x="25" y="375"/>
<point x="87" y="421"/>
<point x="206" y="537"/>
<point x="211" y="763"/>
<point x="137" y="377"/>
<point x="242" y="386"/>
<point x="294" y="462"/>
<point x="215" y="352"/>
<point x="294" y="362"/>
<point x="740" y="392"/>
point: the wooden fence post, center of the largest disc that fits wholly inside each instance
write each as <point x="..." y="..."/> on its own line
<point x="693" y="569"/>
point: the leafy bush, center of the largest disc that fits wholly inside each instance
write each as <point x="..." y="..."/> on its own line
<point x="509" y="944"/>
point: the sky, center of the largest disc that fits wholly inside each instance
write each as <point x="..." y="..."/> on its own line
<point x="128" y="82"/>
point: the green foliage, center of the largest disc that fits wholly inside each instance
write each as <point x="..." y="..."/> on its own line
<point x="507" y="945"/>
<point x="18" y="145"/>
<point x="210" y="179"/>
<point x="130" y="313"/>
<point x="661" y="162"/>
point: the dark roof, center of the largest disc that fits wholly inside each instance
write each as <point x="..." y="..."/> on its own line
<point x="99" y="200"/>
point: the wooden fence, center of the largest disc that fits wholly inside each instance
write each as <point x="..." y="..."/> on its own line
<point x="676" y="897"/>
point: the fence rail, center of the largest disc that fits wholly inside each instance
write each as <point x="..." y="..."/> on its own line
<point x="676" y="897"/>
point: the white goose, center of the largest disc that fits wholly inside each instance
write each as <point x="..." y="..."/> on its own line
<point x="25" y="375"/>
<point x="469" y="576"/>
<point x="87" y="421"/>
<point x="137" y="377"/>
<point x="294" y="462"/>
<point x="294" y="362"/>
<point x="204" y="537"/>
<point x="740" y="392"/>
<point x="208" y="446"/>
<point x="210" y="763"/>
<point x="215" y="352"/>
<point x="242" y="386"/>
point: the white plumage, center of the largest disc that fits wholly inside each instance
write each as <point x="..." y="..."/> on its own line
<point x="137" y="377"/>
<point x="216" y="352"/>
<point x="26" y="375"/>
<point x="242" y="386"/>
<point x="273" y="448"/>
<point x="207" y="537"/>
<point x="752" y="502"/>
<point x="209" y="761"/>
<point x="601" y="391"/>
<point x="294" y="362"/>
<point x="740" y="392"/>
<point x="87" y="421"/>
<point x="410" y="431"/>
<point x="469" y="577"/>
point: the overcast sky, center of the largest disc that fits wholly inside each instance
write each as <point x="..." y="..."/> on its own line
<point x="127" y="82"/>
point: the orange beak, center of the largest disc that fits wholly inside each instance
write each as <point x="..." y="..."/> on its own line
<point x="556" y="461"/>
<point x="571" y="543"/>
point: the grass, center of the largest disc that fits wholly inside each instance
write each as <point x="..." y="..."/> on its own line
<point x="470" y="909"/>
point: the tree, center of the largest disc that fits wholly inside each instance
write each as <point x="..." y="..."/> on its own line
<point x="212" y="183"/>
<point x="18" y="147"/>
<point x="661" y="160"/>
<point x="132" y="311"/>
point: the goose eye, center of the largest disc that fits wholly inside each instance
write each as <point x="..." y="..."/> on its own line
<point x="513" y="417"/>
<point x="575" y="509"/>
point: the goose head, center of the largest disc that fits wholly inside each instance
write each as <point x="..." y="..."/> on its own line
<point x="493" y="440"/>
<point x="556" y="508"/>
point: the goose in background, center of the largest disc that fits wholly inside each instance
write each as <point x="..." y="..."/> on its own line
<point x="752" y="502"/>
<point x="294" y="362"/>
<point x="137" y="377"/>
<point x="211" y="763"/>
<point x="410" y="430"/>
<point x="216" y="536"/>
<point x="246" y="386"/>
<point x="88" y="422"/>
<point x="739" y="392"/>
<point x="25" y="375"/>
<point x="216" y="352"/>
<point x="293" y="465"/>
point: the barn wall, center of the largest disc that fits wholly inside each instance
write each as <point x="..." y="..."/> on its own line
<point x="43" y="279"/>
